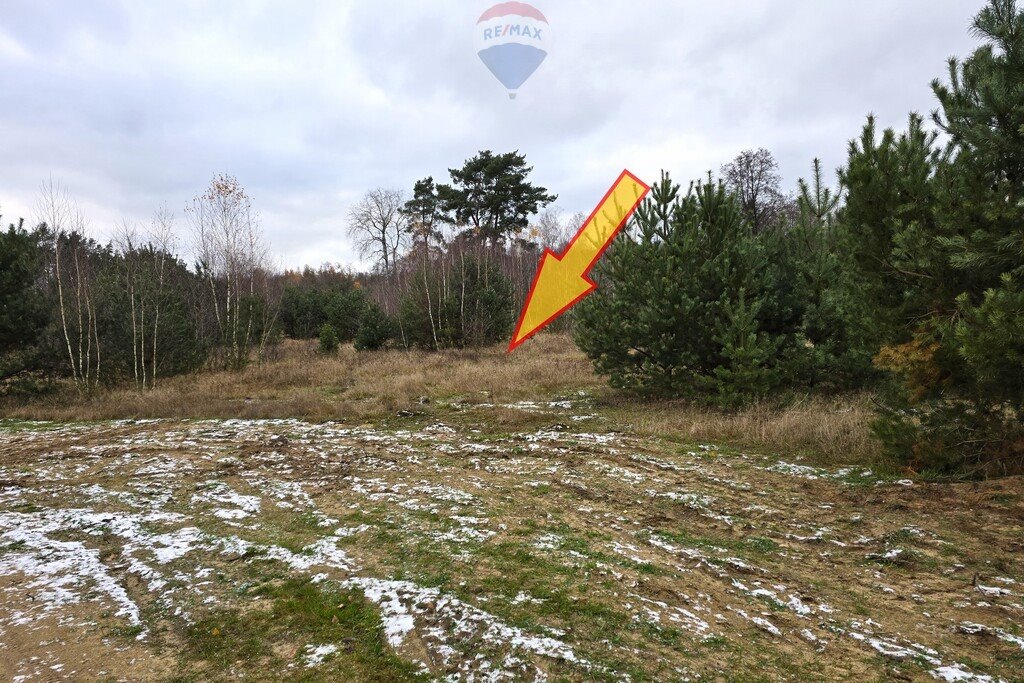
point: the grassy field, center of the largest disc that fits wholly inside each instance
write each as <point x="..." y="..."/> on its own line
<point x="478" y="516"/>
<point x="353" y="386"/>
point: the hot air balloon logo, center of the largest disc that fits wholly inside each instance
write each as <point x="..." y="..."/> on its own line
<point x="512" y="39"/>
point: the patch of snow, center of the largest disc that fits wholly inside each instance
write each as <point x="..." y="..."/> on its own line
<point x="213" y="491"/>
<point x="62" y="572"/>
<point x="975" y="629"/>
<point x="316" y="654"/>
<point x="760" y="622"/>
<point x="548" y="542"/>
<point x="522" y="597"/>
<point x="955" y="673"/>
<point x="403" y="604"/>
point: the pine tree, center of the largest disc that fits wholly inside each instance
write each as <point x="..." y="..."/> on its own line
<point x="424" y="214"/>
<point x="23" y="311"/>
<point x="943" y="227"/>
<point x="20" y="304"/>
<point x="376" y="329"/>
<point x="328" y="340"/>
<point x="682" y="298"/>
<point x="492" y="196"/>
<point x="982" y="111"/>
<point x="890" y="224"/>
<point x="834" y="315"/>
<point x="747" y="352"/>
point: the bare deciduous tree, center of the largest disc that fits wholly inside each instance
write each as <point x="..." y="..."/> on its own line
<point x="377" y="224"/>
<point x="73" y="277"/>
<point x="164" y="242"/>
<point x="555" y="229"/>
<point x="144" y="264"/>
<point x="754" y="177"/>
<point x="126" y="240"/>
<point x="232" y="259"/>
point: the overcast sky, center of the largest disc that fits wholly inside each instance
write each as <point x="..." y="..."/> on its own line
<point x="131" y="105"/>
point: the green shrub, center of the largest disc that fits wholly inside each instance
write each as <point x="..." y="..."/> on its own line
<point x="376" y="329"/>
<point x="305" y="307"/>
<point x="328" y="339"/>
<point x="470" y="305"/>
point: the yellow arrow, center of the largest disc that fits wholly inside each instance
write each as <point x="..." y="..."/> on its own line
<point x="562" y="279"/>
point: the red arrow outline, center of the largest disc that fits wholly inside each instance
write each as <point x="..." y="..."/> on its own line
<point x="585" y="275"/>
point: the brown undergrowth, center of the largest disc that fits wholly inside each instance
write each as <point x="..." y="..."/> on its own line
<point x="352" y="386"/>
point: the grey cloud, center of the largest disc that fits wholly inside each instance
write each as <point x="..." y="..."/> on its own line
<point x="135" y="104"/>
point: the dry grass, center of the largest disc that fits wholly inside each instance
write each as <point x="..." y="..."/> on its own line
<point x="351" y="385"/>
<point x="827" y="430"/>
<point x="367" y="386"/>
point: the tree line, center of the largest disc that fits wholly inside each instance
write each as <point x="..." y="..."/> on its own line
<point x="907" y="279"/>
<point x="449" y="264"/>
<point x="133" y="310"/>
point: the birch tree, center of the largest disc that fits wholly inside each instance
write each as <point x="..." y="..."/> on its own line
<point x="232" y="259"/>
<point x="144" y="269"/>
<point x="72" y="273"/>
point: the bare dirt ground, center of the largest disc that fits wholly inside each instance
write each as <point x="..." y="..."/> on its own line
<point x="416" y="548"/>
